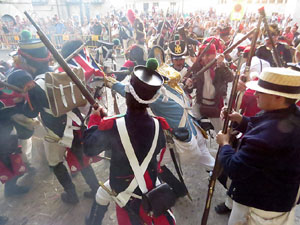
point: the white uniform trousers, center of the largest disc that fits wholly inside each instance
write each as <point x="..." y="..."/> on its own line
<point x="245" y="215"/>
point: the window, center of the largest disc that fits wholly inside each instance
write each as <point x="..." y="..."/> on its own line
<point x="279" y="1"/>
<point x="272" y="1"/>
<point x="249" y="1"/>
<point x="264" y="1"/>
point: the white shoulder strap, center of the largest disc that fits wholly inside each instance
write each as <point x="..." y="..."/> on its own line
<point x="137" y="169"/>
<point x="181" y="102"/>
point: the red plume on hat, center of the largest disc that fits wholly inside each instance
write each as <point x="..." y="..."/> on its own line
<point x="131" y="16"/>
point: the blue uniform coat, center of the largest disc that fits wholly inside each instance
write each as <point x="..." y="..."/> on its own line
<point x="265" y="171"/>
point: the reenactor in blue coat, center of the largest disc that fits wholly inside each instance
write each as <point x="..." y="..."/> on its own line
<point x="265" y="169"/>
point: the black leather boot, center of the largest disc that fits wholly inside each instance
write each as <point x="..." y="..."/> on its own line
<point x="167" y="176"/>
<point x="62" y="175"/>
<point x="97" y="214"/>
<point x="11" y="188"/>
<point x="91" y="179"/>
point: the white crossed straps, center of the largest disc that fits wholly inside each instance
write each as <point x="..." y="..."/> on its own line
<point x="138" y="170"/>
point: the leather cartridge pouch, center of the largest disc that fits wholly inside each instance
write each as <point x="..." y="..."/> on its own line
<point x="159" y="200"/>
<point x="181" y="133"/>
<point x="62" y="93"/>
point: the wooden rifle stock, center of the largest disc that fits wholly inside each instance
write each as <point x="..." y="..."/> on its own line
<point x="275" y="52"/>
<point x="58" y="57"/>
<point x="218" y="168"/>
<point x="228" y="50"/>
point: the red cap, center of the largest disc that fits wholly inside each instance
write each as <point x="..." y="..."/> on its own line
<point x="241" y="48"/>
<point x="128" y="64"/>
<point x="247" y="49"/>
<point x="217" y="43"/>
<point x="212" y="50"/>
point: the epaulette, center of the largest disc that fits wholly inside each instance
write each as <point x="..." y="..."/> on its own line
<point x="108" y="122"/>
<point x="163" y="122"/>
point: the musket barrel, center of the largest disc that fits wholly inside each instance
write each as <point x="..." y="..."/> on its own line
<point x="58" y="57"/>
<point x="190" y="70"/>
<point x="276" y="55"/>
<point x="228" y="50"/>
<point x="218" y="168"/>
<point x="11" y="87"/>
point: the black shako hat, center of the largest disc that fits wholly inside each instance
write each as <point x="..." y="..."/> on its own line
<point x="146" y="82"/>
<point x="177" y="49"/>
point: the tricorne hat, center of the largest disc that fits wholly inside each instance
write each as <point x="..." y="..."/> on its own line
<point x="278" y="81"/>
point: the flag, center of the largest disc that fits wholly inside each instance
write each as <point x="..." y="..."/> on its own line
<point x="238" y="11"/>
<point x="88" y="65"/>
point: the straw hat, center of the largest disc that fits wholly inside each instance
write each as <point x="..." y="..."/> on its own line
<point x="278" y="81"/>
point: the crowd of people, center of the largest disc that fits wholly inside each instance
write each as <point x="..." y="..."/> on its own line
<point x="202" y="24"/>
<point x="164" y="54"/>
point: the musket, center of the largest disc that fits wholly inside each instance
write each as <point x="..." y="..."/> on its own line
<point x="190" y="70"/>
<point x="217" y="167"/>
<point x="245" y="76"/>
<point x="163" y="25"/>
<point x="113" y="93"/>
<point x="276" y="56"/>
<point x="121" y="72"/>
<point x="173" y="31"/>
<point x="73" y="54"/>
<point x="11" y="87"/>
<point x="171" y="145"/>
<point x="228" y="50"/>
<point x="58" y="57"/>
<point x="181" y="31"/>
